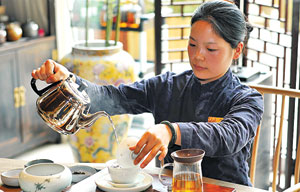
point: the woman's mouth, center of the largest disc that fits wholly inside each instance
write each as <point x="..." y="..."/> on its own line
<point x="199" y="68"/>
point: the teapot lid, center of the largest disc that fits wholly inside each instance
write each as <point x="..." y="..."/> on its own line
<point x="75" y="90"/>
<point x="188" y="155"/>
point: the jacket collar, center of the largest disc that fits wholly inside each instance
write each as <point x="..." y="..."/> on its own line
<point x="219" y="83"/>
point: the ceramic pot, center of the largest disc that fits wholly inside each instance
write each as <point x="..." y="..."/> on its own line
<point x="46" y="177"/>
<point x="14" y="31"/>
<point x="101" y="65"/>
<point x="30" y="29"/>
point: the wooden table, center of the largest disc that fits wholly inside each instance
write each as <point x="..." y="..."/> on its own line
<point x="88" y="185"/>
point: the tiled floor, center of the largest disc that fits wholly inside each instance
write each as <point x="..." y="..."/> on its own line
<point x="62" y="152"/>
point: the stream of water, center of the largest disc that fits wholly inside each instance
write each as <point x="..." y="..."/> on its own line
<point x="113" y="126"/>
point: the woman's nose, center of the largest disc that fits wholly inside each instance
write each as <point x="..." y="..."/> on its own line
<point x="199" y="54"/>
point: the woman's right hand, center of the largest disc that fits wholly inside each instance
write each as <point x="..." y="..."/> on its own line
<point x="50" y="71"/>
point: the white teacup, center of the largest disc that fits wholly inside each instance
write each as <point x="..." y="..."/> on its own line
<point x="122" y="175"/>
<point x="125" y="156"/>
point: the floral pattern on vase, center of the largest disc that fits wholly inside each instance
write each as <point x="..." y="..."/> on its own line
<point x="103" y="66"/>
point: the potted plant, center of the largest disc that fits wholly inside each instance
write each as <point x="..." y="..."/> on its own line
<point x="102" y="62"/>
<point x="109" y="21"/>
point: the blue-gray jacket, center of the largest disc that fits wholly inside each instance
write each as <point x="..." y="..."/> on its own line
<point x="182" y="99"/>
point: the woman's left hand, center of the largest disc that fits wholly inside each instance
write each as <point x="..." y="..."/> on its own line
<point x="156" y="139"/>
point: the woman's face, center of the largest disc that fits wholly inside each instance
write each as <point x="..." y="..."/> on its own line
<point x="210" y="55"/>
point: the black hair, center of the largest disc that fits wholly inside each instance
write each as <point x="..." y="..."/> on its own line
<point x="226" y="20"/>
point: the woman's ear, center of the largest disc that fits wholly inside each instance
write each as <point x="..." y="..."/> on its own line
<point x="238" y="50"/>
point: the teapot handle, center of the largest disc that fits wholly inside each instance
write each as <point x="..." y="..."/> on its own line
<point x="41" y="92"/>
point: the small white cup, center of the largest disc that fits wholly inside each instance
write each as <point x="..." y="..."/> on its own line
<point x="122" y="175"/>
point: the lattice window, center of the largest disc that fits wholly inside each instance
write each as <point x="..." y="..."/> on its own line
<point x="269" y="46"/>
<point x="175" y="29"/>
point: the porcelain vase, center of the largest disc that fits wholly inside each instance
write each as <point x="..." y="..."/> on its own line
<point x="103" y="66"/>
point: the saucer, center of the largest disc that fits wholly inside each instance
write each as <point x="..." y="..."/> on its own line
<point x="36" y="161"/>
<point x="80" y="172"/>
<point x="105" y="184"/>
<point x="139" y="178"/>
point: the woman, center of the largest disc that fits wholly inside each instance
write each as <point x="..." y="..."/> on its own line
<point x="207" y="106"/>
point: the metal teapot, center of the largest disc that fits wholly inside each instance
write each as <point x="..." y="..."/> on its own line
<point x="64" y="106"/>
<point x="30" y="29"/>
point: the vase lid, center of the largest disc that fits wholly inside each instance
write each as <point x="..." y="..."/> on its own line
<point x="96" y="48"/>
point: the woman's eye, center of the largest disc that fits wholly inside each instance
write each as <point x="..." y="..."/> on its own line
<point x="211" y="50"/>
<point x="192" y="45"/>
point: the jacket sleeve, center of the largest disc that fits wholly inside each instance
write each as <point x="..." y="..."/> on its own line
<point x="134" y="98"/>
<point x="234" y="132"/>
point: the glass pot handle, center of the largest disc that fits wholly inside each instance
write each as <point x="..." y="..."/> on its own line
<point x="160" y="173"/>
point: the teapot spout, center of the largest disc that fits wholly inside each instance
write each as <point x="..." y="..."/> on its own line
<point x="87" y="120"/>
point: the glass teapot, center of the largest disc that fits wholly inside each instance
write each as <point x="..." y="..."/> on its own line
<point x="64" y="106"/>
<point x="187" y="173"/>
